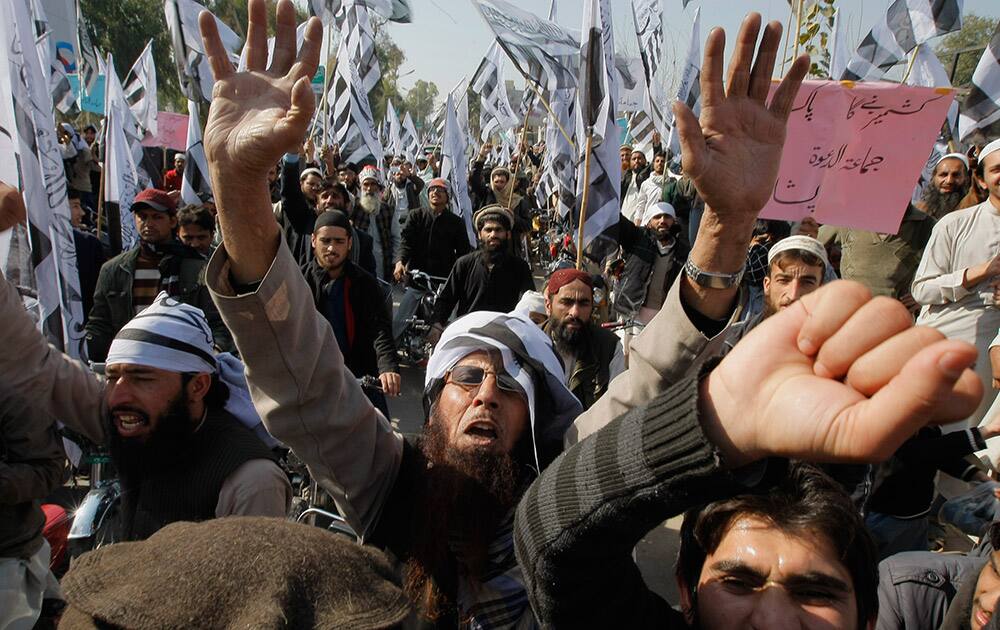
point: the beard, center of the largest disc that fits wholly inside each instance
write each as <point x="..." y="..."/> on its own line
<point x="464" y="495"/>
<point x="162" y="449"/>
<point x="938" y="203"/>
<point x="369" y="202"/>
<point x="566" y="339"/>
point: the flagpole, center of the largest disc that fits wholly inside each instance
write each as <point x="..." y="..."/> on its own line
<point x="909" y="66"/>
<point x="517" y="161"/>
<point x="548" y="108"/>
<point x="798" y="26"/>
<point x="583" y="201"/>
<point x="788" y="34"/>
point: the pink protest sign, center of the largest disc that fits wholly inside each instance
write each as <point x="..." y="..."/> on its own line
<point x="854" y="152"/>
<point x="171" y="132"/>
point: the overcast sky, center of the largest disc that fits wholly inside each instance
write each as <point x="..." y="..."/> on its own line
<point x="448" y="38"/>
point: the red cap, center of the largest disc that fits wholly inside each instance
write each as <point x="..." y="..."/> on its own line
<point x="561" y="278"/>
<point x="439" y="182"/>
<point x="155" y="199"/>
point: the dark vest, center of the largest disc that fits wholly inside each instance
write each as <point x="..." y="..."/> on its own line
<point x="189" y="491"/>
<point x="589" y="378"/>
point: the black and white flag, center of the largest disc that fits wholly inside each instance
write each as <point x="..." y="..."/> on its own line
<point x="193" y="69"/>
<point x="121" y="175"/>
<point x="332" y="11"/>
<point x="356" y="32"/>
<point x="595" y="117"/>
<point x="353" y="124"/>
<point x="393" y="134"/>
<point x="409" y="140"/>
<point x="454" y="167"/>
<point x="495" y="111"/>
<point x="196" y="186"/>
<point x="140" y="90"/>
<point x="905" y="24"/>
<point x="559" y="166"/>
<point x="87" y="57"/>
<point x="689" y="90"/>
<point x="982" y="105"/>
<point x="63" y="98"/>
<point x="647" y="16"/>
<point x="531" y="41"/>
<point x="43" y="180"/>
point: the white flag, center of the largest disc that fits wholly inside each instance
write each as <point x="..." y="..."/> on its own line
<point x="140" y="90"/>
<point x="454" y="167"/>
<point x="43" y="181"/>
<point x="982" y="106"/>
<point x="121" y="180"/>
<point x="409" y="138"/>
<point x="689" y="90"/>
<point x="395" y="144"/>
<point x="193" y="69"/>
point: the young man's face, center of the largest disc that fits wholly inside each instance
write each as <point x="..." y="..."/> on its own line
<point x="89" y="135"/>
<point x="659" y="163"/>
<point x="762" y="577"/>
<point x="154" y="226"/>
<point x="76" y="213"/>
<point x="493" y="235"/>
<point x="484" y="416"/>
<point x="499" y="181"/>
<point x="950" y="176"/>
<point x="638" y="160"/>
<point x="991" y="176"/>
<point x="987" y="591"/>
<point x="311" y="186"/>
<point x="331" y="245"/>
<point x="196" y="237"/>
<point x="785" y="284"/>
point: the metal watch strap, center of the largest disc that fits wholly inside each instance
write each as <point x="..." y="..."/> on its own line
<point x="713" y="280"/>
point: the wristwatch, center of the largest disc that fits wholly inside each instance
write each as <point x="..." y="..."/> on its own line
<point x="713" y="280"/>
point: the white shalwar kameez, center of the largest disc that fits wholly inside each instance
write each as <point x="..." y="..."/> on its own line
<point x="962" y="239"/>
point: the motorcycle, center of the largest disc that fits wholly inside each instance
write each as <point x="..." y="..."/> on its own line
<point x="97" y="520"/>
<point x="413" y="346"/>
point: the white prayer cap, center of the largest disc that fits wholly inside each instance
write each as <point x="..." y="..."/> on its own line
<point x="310" y="171"/>
<point x="989" y="148"/>
<point x="531" y="302"/>
<point x="656" y="210"/>
<point x="528" y="355"/>
<point x="800" y="243"/>
<point x="961" y="157"/>
<point x="167" y="335"/>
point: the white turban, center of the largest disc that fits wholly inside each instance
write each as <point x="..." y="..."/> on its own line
<point x="173" y="336"/>
<point x="961" y="157"/>
<point x="531" y="302"/>
<point x="800" y="243"/>
<point x="656" y="210"/>
<point x="989" y="148"/>
<point x="528" y="356"/>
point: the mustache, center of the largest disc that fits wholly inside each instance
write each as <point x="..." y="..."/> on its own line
<point x="127" y="409"/>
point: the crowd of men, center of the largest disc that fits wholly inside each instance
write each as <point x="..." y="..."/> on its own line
<point x="815" y="440"/>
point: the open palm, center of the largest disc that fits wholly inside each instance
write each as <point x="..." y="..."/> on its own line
<point x="733" y="152"/>
<point x="865" y="380"/>
<point x="258" y="115"/>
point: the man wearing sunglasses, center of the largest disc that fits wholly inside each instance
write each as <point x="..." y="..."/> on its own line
<point x="494" y="397"/>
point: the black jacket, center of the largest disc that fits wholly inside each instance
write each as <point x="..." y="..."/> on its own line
<point x="113" y="297"/>
<point x="640" y="251"/>
<point x="919" y="590"/>
<point x="472" y="286"/>
<point x="372" y="350"/>
<point x="89" y="260"/>
<point x="432" y="243"/>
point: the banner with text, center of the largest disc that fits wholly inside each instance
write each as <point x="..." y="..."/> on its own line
<point x="853" y="152"/>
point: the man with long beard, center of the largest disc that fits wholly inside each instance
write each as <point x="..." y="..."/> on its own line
<point x="591" y="355"/>
<point x="374" y="217"/>
<point x="949" y="184"/>
<point x="488" y="279"/>
<point x="174" y="416"/>
<point x="493" y="390"/>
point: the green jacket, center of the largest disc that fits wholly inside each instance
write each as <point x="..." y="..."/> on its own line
<point x="113" y="299"/>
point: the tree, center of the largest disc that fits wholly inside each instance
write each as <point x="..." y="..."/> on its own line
<point x="123" y="28"/>
<point x="420" y="100"/>
<point x="976" y="33"/>
<point x="814" y="34"/>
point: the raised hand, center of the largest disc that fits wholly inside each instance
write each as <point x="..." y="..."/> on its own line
<point x="837" y="376"/>
<point x="258" y="115"/>
<point x="733" y="154"/>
